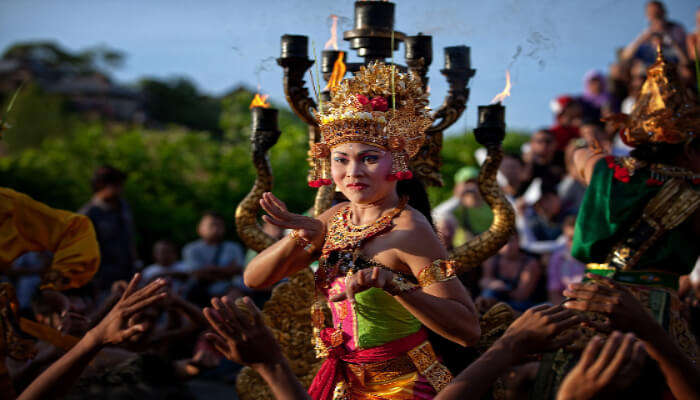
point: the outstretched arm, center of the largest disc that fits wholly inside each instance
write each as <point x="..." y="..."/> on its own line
<point x="244" y="339"/>
<point x="535" y="331"/>
<point x="114" y="329"/>
<point x="287" y="255"/>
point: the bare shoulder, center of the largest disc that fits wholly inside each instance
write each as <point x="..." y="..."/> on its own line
<point x="416" y="237"/>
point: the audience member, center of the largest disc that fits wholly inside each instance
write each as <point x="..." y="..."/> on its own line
<point x="213" y="261"/>
<point x="111" y="216"/>
<point x="669" y="34"/>
<point x="166" y="265"/>
<point x="542" y="161"/>
<point x="595" y="91"/>
<point x="511" y="276"/>
<point x="466" y="205"/>
<point x="563" y="268"/>
<point x="567" y="118"/>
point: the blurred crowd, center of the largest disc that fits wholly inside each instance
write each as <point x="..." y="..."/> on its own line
<point x="536" y="264"/>
<point x="164" y="352"/>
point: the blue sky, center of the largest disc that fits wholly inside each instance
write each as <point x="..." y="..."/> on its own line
<point x="221" y="44"/>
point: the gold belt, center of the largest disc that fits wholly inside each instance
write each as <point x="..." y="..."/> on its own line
<point x="421" y="359"/>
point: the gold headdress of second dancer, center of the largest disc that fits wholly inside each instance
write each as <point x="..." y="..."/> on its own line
<point x="378" y="106"/>
<point x="664" y="112"/>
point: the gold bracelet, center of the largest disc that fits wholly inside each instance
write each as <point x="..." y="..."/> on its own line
<point x="305" y="244"/>
<point x="437" y="271"/>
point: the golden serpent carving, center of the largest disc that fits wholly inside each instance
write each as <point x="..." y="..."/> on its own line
<point x="247" y="211"/>
<point x="483" y="246"/>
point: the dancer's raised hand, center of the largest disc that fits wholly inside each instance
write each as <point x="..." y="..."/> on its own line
<point x="308" y="228"/>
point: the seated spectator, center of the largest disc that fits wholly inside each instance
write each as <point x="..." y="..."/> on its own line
<point x="166" y="265"/>
<point x="595" y="91"/>
<point x="539" y="225"/>
<point x="466" y="205"/>
<point x="27" y="270"/>
<point x="568" y="113"/>
<point x="669" y="34"/>
<point x="564" y="269"/>
<point x="542" y="161"/>
<point x="511" y="276"/>
<point x="213" y="261"/>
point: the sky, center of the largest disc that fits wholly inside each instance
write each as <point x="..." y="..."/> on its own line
<point x="548" y="45"/>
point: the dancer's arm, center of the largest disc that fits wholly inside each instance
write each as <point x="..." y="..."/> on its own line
<point x="533" y="332"/>
<point x="445" y="307"/>
<point x="244" y="339"/>
<point x="113" y="329"/>
<point x="286" y="256"/>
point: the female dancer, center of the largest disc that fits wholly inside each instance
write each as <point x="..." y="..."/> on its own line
<point x="381" y="268"/>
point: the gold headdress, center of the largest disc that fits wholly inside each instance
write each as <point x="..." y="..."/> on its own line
<point x="360" y="111"/>
<point x="664" y="112"/>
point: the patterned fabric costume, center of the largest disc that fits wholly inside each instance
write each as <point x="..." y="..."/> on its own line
<point x="376" y="348"/>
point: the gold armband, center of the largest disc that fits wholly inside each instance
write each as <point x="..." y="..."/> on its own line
<point x="400" y="285"/>
<point x="302" y="242"/>
<point x="438" y="271"/>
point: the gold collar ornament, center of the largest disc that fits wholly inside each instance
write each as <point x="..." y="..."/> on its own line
<point x="378" y="106"/>
<point x="664" y="112"/>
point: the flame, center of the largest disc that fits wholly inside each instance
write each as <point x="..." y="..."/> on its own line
<point x="505" y="93"/>
<point x="260" y="100"/>
<point x="333" y="41"/>
<point x="338" y="73"/>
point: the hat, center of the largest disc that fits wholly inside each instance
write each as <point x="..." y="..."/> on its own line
<point x="465" y="174"/>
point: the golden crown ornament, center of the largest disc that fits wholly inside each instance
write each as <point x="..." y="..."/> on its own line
<point x="378" y="106"/>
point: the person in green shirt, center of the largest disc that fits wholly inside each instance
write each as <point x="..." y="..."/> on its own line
<point x="466" y="205"/>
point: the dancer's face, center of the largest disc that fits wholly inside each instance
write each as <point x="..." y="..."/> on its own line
<point x="360" y="171"/>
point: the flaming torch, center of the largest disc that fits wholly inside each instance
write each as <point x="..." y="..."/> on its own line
<point x="264" y="117"/>
<point x="492" y="118"/>
<point x="330" y="53"/>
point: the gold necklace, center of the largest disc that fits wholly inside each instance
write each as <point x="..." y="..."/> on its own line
<point x="343" y="234"/>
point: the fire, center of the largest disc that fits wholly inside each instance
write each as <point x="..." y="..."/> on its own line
<point x="333" y="41"/>
<point x="260" y="100"/>
<point x="505" y="93"/>
<point x="338" y="73"/>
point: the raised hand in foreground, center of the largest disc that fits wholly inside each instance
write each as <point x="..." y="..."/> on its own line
<point x="535" y="331"/>
<point x="242" y="337"/>
<point x="113" y="329"/>
<point x="625" y="312"/>
<point x="599" y="371"/>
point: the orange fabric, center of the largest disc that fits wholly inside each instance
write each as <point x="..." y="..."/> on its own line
<point x="28" y="225"/>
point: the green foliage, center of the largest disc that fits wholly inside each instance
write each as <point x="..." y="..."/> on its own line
<point x="35" y="116"/>
<point x="178" y="101"/>
<point x="54" y="56"/>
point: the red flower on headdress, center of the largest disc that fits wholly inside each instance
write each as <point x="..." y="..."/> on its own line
<point x="621" y="174"/>
<point x="379" y="104"/>
<point x="362" y="99"/>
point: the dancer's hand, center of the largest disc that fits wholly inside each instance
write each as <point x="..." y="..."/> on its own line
<point x="238" y="338"/>
<point x="538" y="330"/>
<point x="362" y="280"/>
<point x="599" y="371"/>
<point x="608" y="297"/>
<point x="308" y="228"/>
<point x="118" y="326"/>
